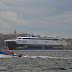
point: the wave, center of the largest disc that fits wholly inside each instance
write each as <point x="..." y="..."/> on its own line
<point x="6" y="56"/>
<point x="46" y="57"/>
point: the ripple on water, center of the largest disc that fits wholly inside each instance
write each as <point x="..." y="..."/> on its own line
<point x="43" y="61"/>
<point x="3" y="69"/>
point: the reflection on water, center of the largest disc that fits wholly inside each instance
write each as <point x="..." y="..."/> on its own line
<point x="43" y="61"/>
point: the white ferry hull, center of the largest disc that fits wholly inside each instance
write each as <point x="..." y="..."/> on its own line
<point x="25" y="43"/>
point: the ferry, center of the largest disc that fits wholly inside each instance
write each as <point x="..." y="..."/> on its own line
<point x="31" y="41"/>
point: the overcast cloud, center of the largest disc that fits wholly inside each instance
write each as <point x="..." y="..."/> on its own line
<point x="36" y="16"/>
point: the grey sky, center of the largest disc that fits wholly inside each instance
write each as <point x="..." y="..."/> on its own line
<point x="36" y="15"/>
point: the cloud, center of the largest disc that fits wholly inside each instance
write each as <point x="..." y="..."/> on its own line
<point x="4" y="26"/>
<point x="38" y="15"/>
<point x="8" y="15"/>
<point x="21" y="0"/>
<point x="54" y="23"/>
<point x="68" y="17"/>
<point x="12" y="16"/>
<point x="57" y="19"/>
<point x="68" y="20"/>
<point x="2" y="5"/>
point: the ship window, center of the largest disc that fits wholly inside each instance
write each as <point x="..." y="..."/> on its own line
<point x="26" y="38"/>
<point x="35" y="36"/>
<point x="55" y="39"/>
<point x="18" y="38"/>
<point x="51" y="39"/>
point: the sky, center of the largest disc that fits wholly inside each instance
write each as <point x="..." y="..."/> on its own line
<point x="36" y="16"/>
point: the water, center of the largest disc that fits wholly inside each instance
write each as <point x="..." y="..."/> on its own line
<point x="38" y="61"/>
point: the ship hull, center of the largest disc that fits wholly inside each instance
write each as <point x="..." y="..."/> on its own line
<point x="39" y="47"/>
<point x="14" y="46"/>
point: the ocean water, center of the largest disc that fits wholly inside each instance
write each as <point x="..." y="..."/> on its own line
<point x="38" y="61"/>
